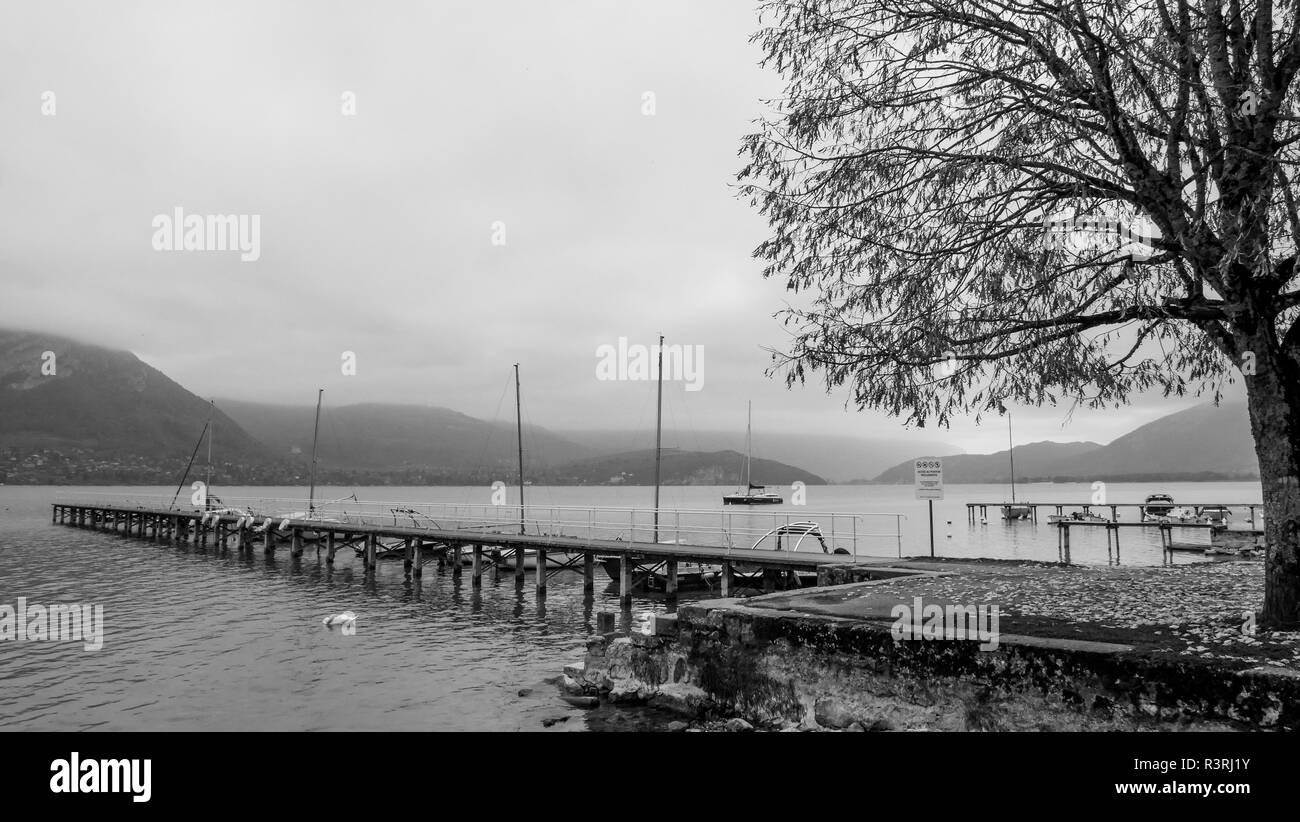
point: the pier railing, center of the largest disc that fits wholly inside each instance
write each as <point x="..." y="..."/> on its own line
<point x="853" y="534"/>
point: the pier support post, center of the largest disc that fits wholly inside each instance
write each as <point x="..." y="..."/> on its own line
<point x="728" y="579"/>
<point x="268" y="539"/>
<point x="769" y="580"/>
<point x="295" y="543"/>
<point x="625" y="580"/>
<point x="419" y="558"/>
<point x="540" y="573"/>
<point x="671" y="588"/>
<point x="330" y="548"/>
<point x="371" y="550"/>
<point x="588" y="572"/>
<point x="408" y="556"/>
<point x="519" y="567"/>
<point x="456" y="569"/>
<point x="478" y="566"/>
<point x="219" y="538"/>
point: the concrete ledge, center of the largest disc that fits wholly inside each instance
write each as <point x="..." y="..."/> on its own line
<point x="780" y="668"/>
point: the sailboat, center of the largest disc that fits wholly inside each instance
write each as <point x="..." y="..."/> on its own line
<point x="213" y="503"/>
<point x="753" y="494"/>
<point x="310" y="513"/>
<point x="1011" y="510"/>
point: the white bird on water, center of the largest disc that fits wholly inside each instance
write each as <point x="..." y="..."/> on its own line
<point x="345" y="618"/>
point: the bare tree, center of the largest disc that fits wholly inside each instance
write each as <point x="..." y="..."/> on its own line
<point x="921" y="148"/>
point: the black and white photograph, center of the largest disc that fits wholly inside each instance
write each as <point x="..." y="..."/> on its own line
<point x="639" y="369"/>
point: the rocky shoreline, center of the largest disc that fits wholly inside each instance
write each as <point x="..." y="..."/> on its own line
<point x="823" y="660"/>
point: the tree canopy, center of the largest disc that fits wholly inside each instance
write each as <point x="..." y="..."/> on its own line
<point x="921" y="146"/>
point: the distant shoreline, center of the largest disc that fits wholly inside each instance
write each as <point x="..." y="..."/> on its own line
<point x="1203" y="476"/>
<point x="1135" y="479"/>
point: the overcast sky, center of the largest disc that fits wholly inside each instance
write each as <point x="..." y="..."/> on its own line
<point x="377" y="229"/>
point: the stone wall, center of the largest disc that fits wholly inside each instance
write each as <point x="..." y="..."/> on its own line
<point x="784" y="670"/>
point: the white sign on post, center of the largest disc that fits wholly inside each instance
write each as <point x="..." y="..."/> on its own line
<point x="929" y="478"/>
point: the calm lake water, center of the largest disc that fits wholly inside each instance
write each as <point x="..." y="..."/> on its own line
<point x="202" y="641"/>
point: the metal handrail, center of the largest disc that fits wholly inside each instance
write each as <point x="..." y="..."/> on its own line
<point x="711" y="526"/>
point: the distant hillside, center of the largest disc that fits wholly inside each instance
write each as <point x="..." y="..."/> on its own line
<point x="678" y="468"/>
<point x="392" y="437"/>
<point x="1039" y="459"/>
<point x="1201" y="443"/>
<point x="837" y="458"/>
<point x="103" y="408"/>
<point x="1204" y="439"/>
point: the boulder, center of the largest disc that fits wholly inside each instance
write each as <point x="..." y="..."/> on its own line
<point x="680" y="698"/>
<point x="832" y="713"/>
<point x="575" y="670"/>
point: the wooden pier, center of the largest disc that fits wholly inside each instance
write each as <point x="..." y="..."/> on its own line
<point x="983" y="508"/>
<point x="491" y="549"/>
<point x="1167" y="543"/>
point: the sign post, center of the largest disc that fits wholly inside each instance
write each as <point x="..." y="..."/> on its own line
<point x="929" y="486"/>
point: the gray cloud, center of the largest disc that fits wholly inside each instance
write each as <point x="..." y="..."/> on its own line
<point x="376" y="228"/>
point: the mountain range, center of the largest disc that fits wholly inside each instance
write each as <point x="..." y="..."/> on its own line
<point x="1206" y="442"/>
<point x="77" y="413"/>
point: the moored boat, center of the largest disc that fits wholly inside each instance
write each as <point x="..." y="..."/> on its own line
<point x="753" y="494"/>
<point x="1214" y="515"/>
<point x="1015" y="511"/>
<point x="1077" y="516"/>
<point x="762" y="497"/>
<point x="1012" y="511"/>
<point x="1157" y="508"/>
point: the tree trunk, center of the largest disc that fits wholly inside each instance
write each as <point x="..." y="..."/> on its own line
<point x="1273" y="397"/>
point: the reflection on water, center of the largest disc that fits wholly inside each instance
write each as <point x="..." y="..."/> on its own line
<point x="200" y="640"/>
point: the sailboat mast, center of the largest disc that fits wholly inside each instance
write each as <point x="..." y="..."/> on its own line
<point x="749" y="441"/>
<point x="519" y="433"/>
<point x="315" y="434"/>
<point x="207" y="480"/>
<point x="659" y="419"/>
<point x="1011" y="452"/>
